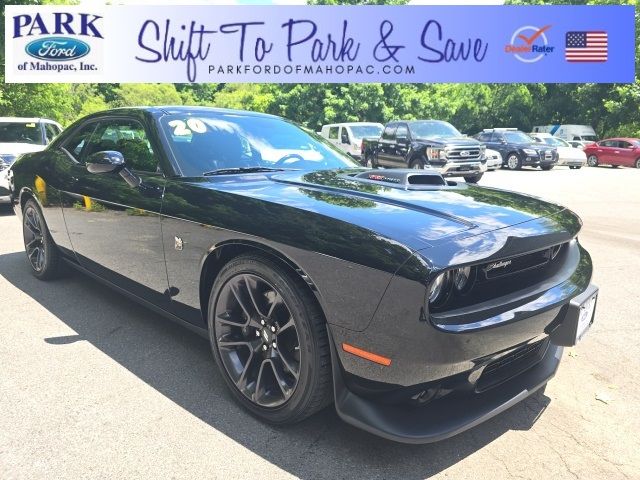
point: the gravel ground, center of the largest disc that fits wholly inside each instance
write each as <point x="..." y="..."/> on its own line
<point x="95" y="386"/>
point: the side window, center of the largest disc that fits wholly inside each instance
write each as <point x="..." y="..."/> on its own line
<point x="484" y="137"/>
<point x="127" y="137"/>
<point x="344" y="135"/>
<point x="333" y="133"/>
<point x="50" y="131"/>
<point x="623" y="144"/>
<point x="77" y="143"/>
<point x="389" y="132"/>
<point x="607" y="143"/>
<point x="402" y="131"/>
<point x="496" y="137"/>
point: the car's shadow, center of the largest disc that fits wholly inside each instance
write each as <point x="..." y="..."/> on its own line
<point x="179" y="365"/>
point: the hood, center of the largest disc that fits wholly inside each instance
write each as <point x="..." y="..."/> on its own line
<point x="462" y="141"/>
<point x="19" y="148"/>
<point x="418" y="218"/>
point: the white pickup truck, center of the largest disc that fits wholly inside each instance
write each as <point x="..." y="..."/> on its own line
<point x="348" y="136"/>
<point x="21" y="135"/>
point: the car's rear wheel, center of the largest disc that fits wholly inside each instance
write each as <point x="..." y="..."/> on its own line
<point x="473" y="178"/>
<point x="270" y="340"/>
<point x="592" y="161"/>
<point x="514" y="162"/>
<point x="42" y="253"/>
<point x="546" y="167"/>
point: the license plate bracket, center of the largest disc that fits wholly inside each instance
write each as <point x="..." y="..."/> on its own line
<point x="579" y="318"/>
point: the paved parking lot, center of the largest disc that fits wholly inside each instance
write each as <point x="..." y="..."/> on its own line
<point x="94" y="386"/>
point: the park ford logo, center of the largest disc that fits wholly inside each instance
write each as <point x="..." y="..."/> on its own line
<point x="57" y="49"/>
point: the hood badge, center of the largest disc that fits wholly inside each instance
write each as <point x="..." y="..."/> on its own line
<point x="179" y="244"/>
<point x="500" y="264"/>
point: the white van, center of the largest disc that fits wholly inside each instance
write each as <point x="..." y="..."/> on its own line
<point x="581" y="133"/>
<point x="348" y="136"/>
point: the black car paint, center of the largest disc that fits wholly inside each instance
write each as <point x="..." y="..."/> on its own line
<point x="366" y="251"/>
<point x="399" y="153"/>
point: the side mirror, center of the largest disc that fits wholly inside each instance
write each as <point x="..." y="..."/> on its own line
<point x="105" y="162"/>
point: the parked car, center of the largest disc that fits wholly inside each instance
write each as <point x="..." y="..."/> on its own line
<point x="420" y="144"/>
<point x="348" y="136"/>
<point x="518" y="149"/>
<point x="494" y="159"/>
<point x="572" y="157"/>
<point x="420" y="307"/>
<point x="579" y="144"/>
<point x="21" y="135"/>
<point x="584" y="133"/>
<point x="616" y="152"/>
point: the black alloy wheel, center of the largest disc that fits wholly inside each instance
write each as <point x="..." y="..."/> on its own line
<point x="269" y="340"/>
<point x="42" y="253"/>
<point x="257" y="340"/>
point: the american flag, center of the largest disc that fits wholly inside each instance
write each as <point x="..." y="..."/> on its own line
<point x="586" y="47"/>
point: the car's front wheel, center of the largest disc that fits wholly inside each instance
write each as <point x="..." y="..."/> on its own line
<point x="419" y="163"/>
<point x="473" y="178"/>
<point x="546" y="167"/>
<point x="42" y="253"/>
<point x="514" y="162"/>
<point x="270" y="340"/>
<point x="592" y="161"/>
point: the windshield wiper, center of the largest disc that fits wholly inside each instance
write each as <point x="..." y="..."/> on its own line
<point x="231" y="171"/>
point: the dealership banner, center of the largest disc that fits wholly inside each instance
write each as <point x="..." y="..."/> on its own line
<point x="312" y="44"/>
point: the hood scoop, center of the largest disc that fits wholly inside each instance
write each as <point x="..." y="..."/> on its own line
<point x="404" y="179"/>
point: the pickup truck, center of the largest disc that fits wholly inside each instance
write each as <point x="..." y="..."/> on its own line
<point x="422" y="144"/>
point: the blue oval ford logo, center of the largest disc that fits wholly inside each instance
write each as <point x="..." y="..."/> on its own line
<point x="57" y="49"/>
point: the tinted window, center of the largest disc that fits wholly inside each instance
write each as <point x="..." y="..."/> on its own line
<point x="433" y="129"/>
<point x="51" y="131"/>
<point x="402" y="131"/>
<point x="484" y="137"/>
<point x="206" y="141"/>
<point x="389" y="132"/>
<point x="344" y="135"/>
<point x="517" y="137"/>
<point x="333" y="133"/>
<point x="76" y="144"/>
<point x="608" y="143"/>
<point x="127" y="137"/>
<point x="362" y="131"/>
<point x="623" y="144"/>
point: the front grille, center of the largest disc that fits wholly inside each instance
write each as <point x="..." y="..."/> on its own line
<point x="518" y="264"/>
<point x="511" y="364"/>
<point x="463" y="153"/>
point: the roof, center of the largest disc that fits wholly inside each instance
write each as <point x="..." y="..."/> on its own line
<point x="351" y="124"/>
<point x="176" y="109"/>
<point x="626" y="139"/>
<point x="25" y="120"/>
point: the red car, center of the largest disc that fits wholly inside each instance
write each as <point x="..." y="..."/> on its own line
<point x="614" y="152"/>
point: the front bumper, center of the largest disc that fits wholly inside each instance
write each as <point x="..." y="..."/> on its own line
<point x="456" y="370"/>
<point x="459" y="169"/>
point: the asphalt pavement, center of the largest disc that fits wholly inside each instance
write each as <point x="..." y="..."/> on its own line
<point x="94" y="386"/>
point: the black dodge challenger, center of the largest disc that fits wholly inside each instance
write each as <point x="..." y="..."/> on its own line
<point x="420" y="307"/>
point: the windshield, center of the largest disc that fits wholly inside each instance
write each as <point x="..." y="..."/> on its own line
<point x="517" y="137"/>
<point x="556" y="142"/>
<point x="212" y="141"/>
<point x="20" y="132"/>
<point x="432" y="129"/>
<point x="362" y="131"/>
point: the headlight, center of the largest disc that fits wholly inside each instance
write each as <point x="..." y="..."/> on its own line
<point x="530" y="151"/>
<point x="461" y="277"/>
<point x="435" y="153"/>
<point x="437" y="288"/>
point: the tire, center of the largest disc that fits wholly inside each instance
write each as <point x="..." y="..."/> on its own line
<point x="592" y="161"/>
<point x="254" y="342"/>
<point x="473" y="178"/>
<point x="615" y="166"/>
<point x="514" y="162"/>
<point x="571" y="167"/>
<point x="42" y="254"/>
<point x="546" y="168"/>
<point x="419" y="163"/>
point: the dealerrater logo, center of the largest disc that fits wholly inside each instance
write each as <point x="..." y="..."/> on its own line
<point x="57" y="40"/>
<point x="530" y="44"/>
